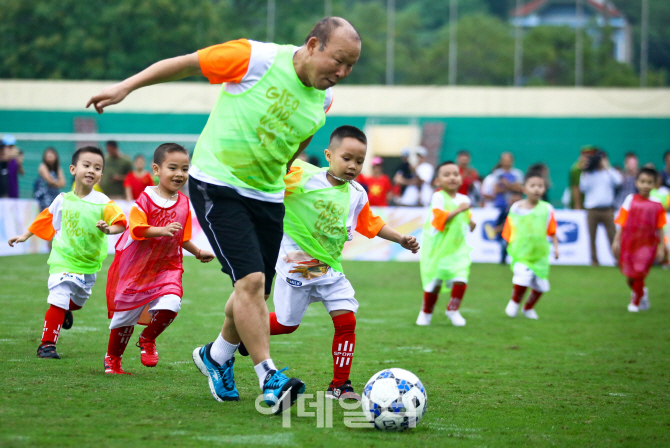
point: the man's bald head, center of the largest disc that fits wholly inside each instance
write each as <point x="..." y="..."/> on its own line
<point x="324" y="30"/>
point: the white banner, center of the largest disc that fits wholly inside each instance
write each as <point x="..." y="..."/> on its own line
<point x="17" y="214"/>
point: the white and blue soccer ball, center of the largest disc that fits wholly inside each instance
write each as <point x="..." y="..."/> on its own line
<point x="394" y="400"/>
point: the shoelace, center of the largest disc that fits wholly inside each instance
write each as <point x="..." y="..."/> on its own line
<point x="274" y="379"/>
<point x="227" y="378"/>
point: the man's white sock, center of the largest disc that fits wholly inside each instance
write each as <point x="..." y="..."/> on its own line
<point x="222" y="351"/>
<point x="262" y="370"/>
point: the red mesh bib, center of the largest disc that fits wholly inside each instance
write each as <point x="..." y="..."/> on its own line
<point x="639" y="238"/>
<point x="147" y="269"/>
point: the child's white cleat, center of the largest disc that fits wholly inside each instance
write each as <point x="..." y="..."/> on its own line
<point x="644" y="302"/>
<point x="424" y="318"/>
<point x="512" y="308"/>
<point x="530" y="314"/>
<point x="632" y="308"/>
<point x="456" y="318"/>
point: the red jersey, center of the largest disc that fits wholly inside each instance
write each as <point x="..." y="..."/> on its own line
<point x="378" y="189"/>
<point x="145" y="269"/>
<point x="469" y="178"/>
<point x="137" y="185"/>
<point x="640" y="220"/>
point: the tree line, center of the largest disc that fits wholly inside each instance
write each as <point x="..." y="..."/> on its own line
<point x="97" y="39"/>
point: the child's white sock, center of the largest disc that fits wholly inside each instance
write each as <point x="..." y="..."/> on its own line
<point x="222" y="351"/>
<point x="262" y="370"/>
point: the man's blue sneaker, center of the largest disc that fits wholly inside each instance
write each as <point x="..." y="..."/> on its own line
<point x="280" y="391"/>
<point x="221" y="378"/>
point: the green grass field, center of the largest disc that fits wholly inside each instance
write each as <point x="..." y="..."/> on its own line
<point x="588" y="373"/>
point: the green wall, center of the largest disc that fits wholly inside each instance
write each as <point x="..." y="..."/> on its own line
<point x="555" y="141"/>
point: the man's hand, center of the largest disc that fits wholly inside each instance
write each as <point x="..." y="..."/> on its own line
<point x="410" y="243"/>
<point x="170" y="229"/>
<point x="113" y="94"/>
<point x="205" y="256"/>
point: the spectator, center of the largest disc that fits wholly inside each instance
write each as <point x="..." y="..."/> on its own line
<point x="598" y="182"/>
<point x="576" y="198"/>
<point x="404" y="177"/>
<point x="665" y="174"/>
<point x="424" y="172"/>
<point x="117" y="166"/>
<point x="50" y="179"/>
<point x="11" y="167"/>
<point x="508" y="185"/>
<point x="488" y="189"/>
<point x="470" y="176"/>
<point x="138" y="179"/>
<point x="630" y="169"/>
<point x="378" y="185"/>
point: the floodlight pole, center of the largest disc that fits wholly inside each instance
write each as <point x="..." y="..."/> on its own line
<point x="518" y="48"/>
<point x="453" y="44"/>
<point x="579" y="45"/>
<point x="644" y="44"/>
<point x="271" y="21"/>
<point x="390" y="41"/>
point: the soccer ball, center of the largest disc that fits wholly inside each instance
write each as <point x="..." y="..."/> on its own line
<point x="394" y="400"/>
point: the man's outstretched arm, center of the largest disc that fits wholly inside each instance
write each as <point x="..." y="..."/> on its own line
<point x="166" y="70"/>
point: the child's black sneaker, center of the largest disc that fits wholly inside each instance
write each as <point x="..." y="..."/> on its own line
<point x="344" y="392"/>
<point x="47" y="350"/>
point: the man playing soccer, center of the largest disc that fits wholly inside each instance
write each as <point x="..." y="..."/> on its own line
<point x="445" y="258"/>
<point x="323" y="206"/>
<point x="528" y="224"/>
<point x="639" y="237"/>
<point x="273" y="101"/>
<point x="78" y="222"/>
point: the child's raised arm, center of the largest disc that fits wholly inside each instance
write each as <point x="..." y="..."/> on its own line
<point x="204" y="256"/>
<point x="406" y="241"/>
<point x="20" y="238"/>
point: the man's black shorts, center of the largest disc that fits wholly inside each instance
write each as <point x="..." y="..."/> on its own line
<point x="245" y="233"/>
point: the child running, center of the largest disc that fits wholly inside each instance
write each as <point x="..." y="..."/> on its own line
<point x="528" y="224"/>
<point x="639" y="237"/>
<point x="147" y="268"/>
<point x="445" y="257"/>
<point x="78" y="222"/>
<point x="323" y="206"/>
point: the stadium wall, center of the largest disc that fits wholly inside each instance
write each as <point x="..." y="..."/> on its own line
<point x="537" y="124"/>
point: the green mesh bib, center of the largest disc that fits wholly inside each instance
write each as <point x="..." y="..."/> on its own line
<point x="249" y="138"/>
<point x="81" y="247"/>
<point x="528" y="240"/>
<point x="317" y="219"/>
<point x="445" y="255"/>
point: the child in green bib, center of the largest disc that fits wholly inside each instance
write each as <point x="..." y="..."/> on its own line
<point x="323" y="208"/>
<point x="445" y="257"/>
<point x="78" y="222"/>
<point x="529" y="223"/>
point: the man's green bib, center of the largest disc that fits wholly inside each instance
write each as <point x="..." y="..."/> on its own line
<point x="445" y="255"/>
<point x="250" y="137"/>
<point x="528" y="239"/>
<point x="81" y="247"/>
<point x="317" y="219"/>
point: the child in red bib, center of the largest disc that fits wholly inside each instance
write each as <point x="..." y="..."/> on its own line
<point x="639" y="237"/>
<point x="144" y="281"/>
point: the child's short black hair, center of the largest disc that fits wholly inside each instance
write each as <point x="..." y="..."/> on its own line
<point x="534" y="171"/>
<point x="445" y="163"/>
<point x="345" y="131"/>
<point x="85" y="149"/>
<point x="167" y="148"/>
<point x="649" y="171"/>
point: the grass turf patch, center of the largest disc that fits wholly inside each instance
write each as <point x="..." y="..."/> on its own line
<point x="587" y="373"/>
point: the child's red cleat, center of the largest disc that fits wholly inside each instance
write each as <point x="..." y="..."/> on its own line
<point x="148" y="352"/>
<point x="113" y="365"/>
